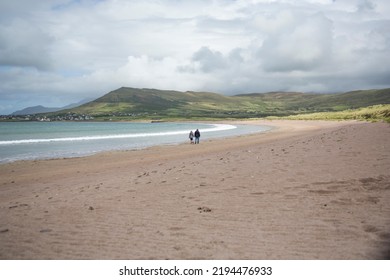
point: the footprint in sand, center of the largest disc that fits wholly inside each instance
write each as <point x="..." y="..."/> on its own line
<point x="204" y="209"/>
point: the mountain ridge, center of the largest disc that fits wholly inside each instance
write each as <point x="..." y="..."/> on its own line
<point x="39" y="109"/>
<point x="155" y="103"/>
<point x="35" y="110"/>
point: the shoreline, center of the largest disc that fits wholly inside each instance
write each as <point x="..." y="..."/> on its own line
<point x="304" y="190"/>
<point x="214" y="131"/>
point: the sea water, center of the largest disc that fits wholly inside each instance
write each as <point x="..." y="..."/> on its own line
<point x="43" y="140"/>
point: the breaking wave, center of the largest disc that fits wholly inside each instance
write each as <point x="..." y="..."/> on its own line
<point x="216" y="127"/>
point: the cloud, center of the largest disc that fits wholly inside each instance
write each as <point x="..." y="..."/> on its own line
<point x="365" y="5"/>
<point x="24" y="44"/>
<point x="61" y="51"/>
<point x="208" y="60"/>
<point x="302" y="46"/>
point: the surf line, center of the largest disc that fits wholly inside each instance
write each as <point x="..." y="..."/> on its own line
<point x="217" y="127"/>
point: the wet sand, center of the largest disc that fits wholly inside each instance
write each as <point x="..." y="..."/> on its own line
<point x="305" y="190"/>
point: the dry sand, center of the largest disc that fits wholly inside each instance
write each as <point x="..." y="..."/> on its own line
<point x="305" y="190"/>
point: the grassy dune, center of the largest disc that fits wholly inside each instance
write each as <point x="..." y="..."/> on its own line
<point x="371" y="113"/>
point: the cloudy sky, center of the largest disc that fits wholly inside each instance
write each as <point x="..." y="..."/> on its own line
<point x="55" y="52"/>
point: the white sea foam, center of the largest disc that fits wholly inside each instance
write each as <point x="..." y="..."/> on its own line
<point x="216" y="127"/>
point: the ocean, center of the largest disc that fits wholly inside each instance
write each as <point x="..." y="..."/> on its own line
<point x="44" y="140"/>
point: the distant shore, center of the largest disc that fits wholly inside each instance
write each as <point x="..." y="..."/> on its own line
<point x="304" y="190"/>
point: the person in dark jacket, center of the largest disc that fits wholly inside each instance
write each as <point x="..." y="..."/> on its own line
<point x="197" y="136"/>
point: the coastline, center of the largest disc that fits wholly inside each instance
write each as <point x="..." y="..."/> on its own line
<point x="303" y="190"/>
<point x="83" y="139"/>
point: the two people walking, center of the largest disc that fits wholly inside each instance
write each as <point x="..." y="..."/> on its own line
<point x="196" y="135"/>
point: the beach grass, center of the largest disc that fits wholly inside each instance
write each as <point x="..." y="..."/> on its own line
<point x="371" y="113"/>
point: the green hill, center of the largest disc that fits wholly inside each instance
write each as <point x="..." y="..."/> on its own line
<point x="134" y="103"/>
<point x="293" y="103"/>
<point x="152" y="102"/>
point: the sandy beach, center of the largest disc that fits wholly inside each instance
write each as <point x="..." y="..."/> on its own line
<point x="305" y="190"/>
